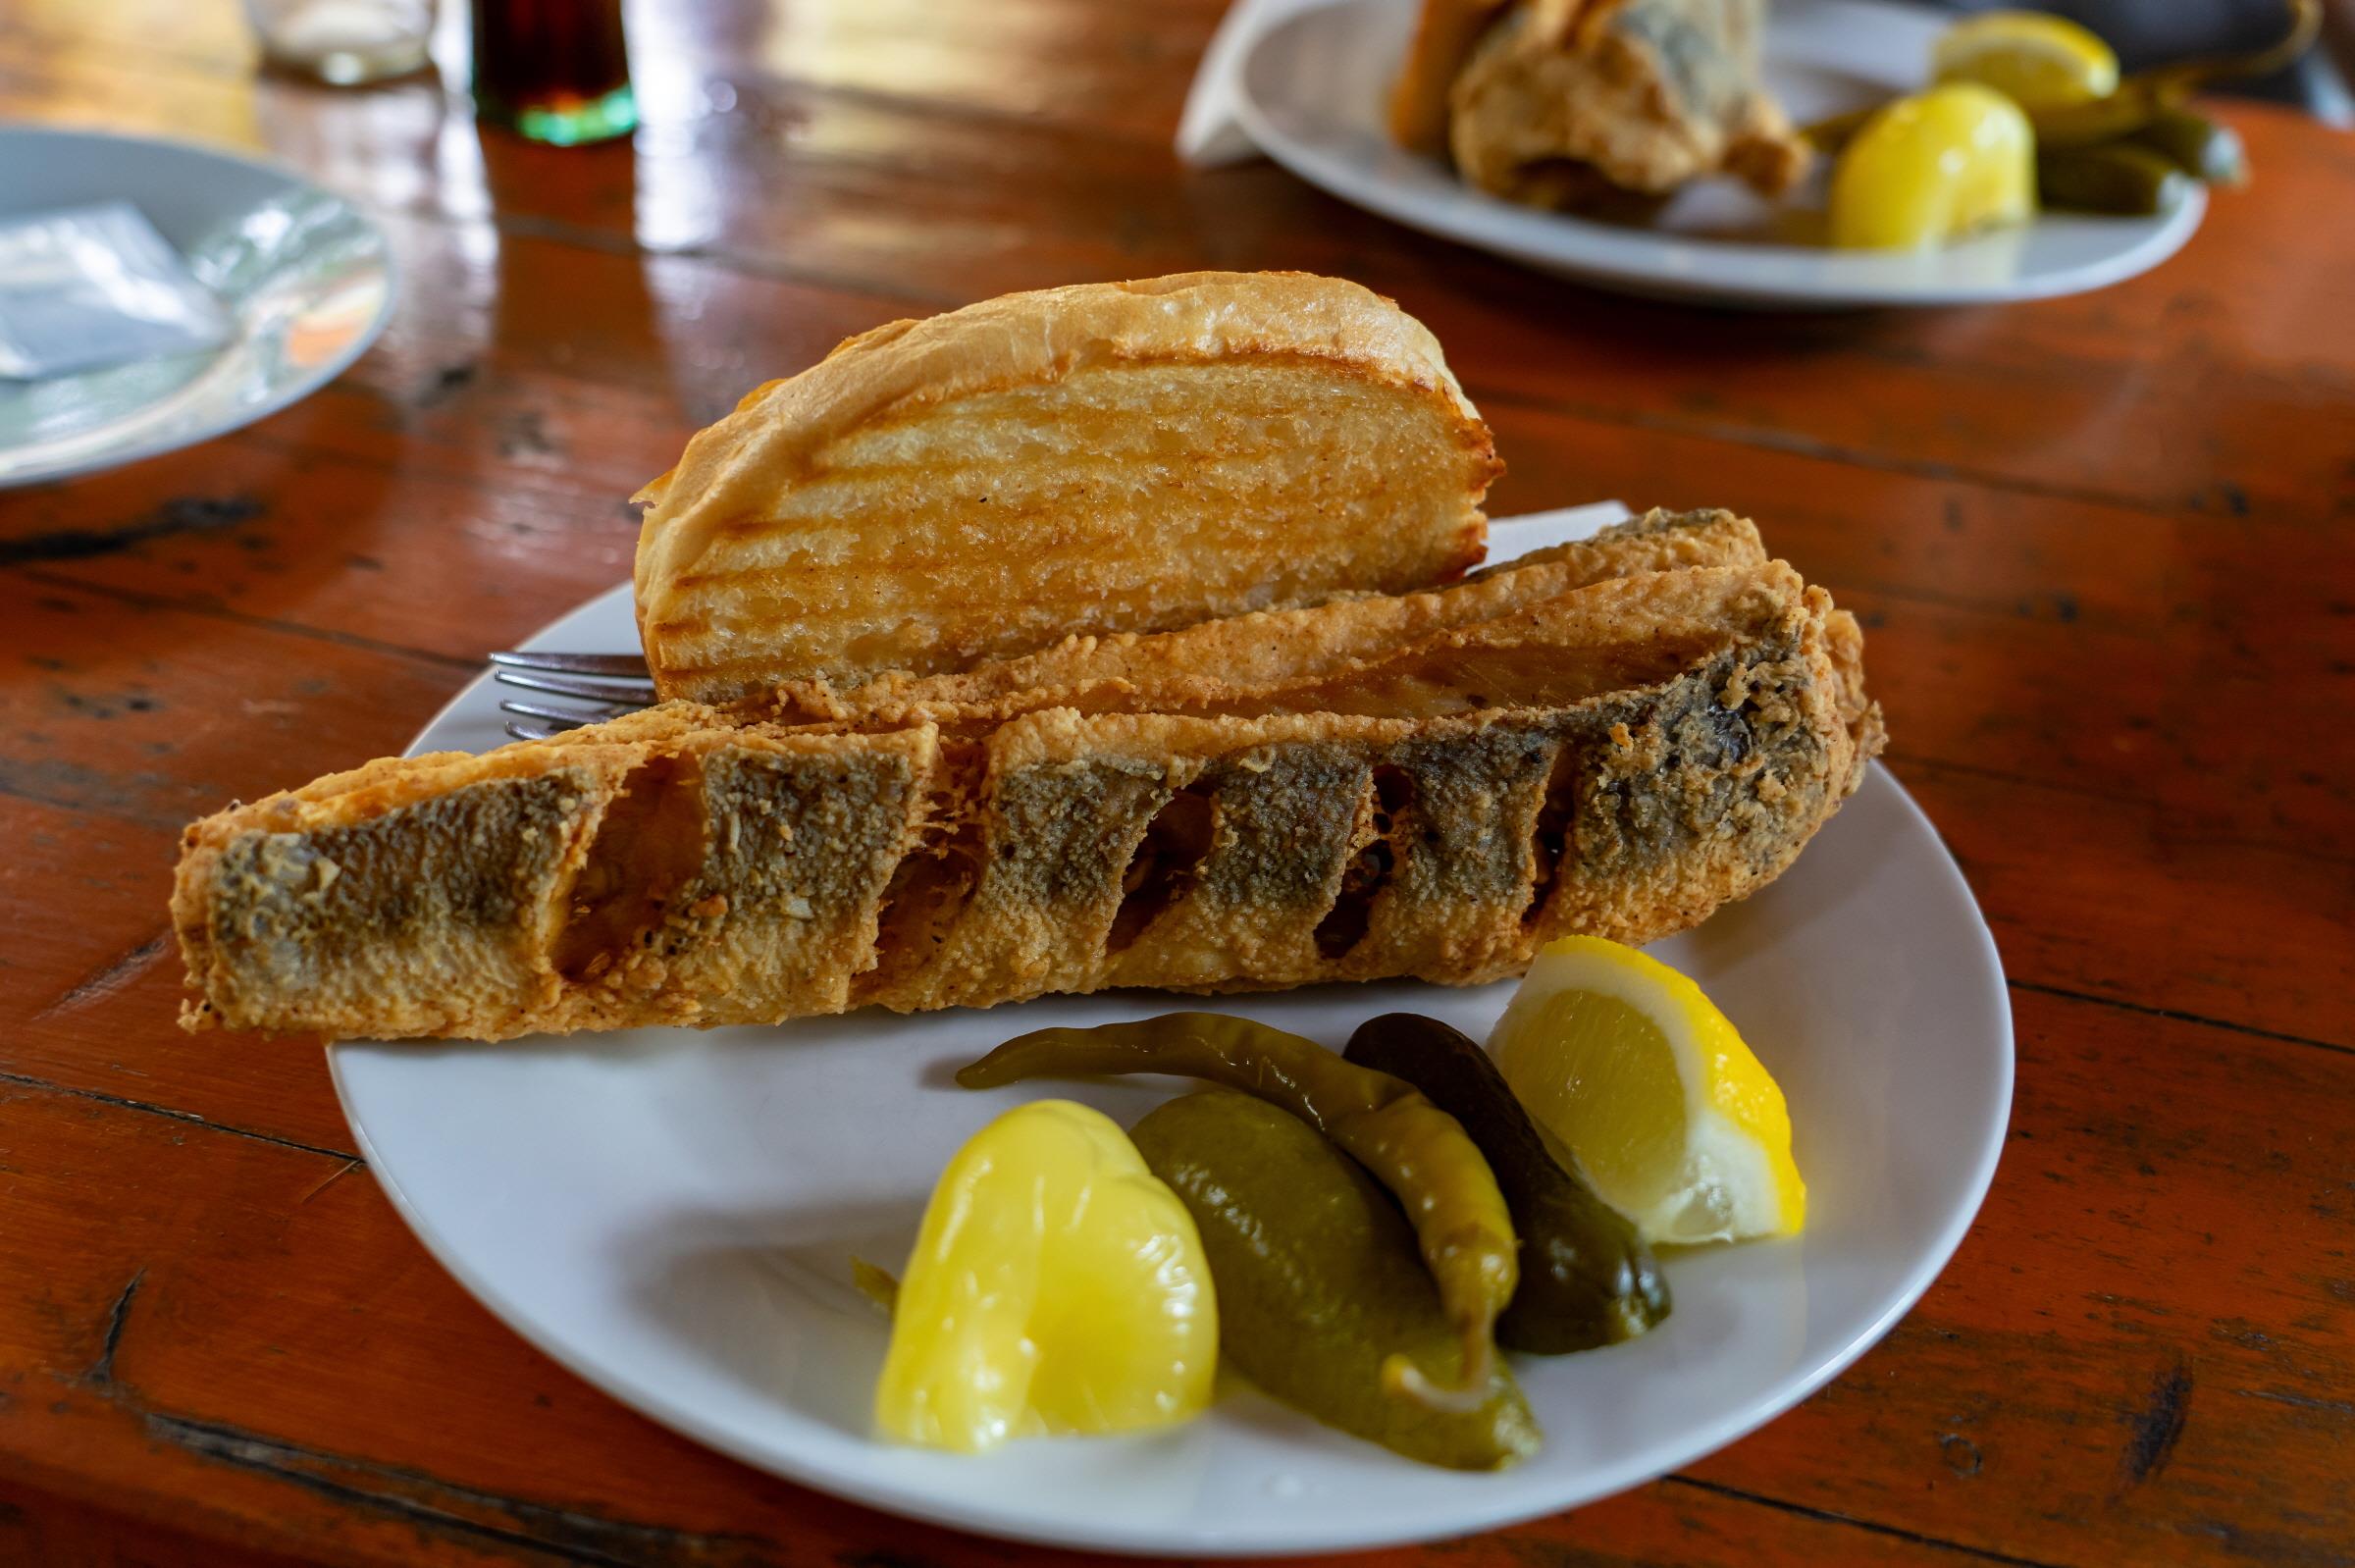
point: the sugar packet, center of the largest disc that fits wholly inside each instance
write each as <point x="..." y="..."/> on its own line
<point x="86" y="287"/>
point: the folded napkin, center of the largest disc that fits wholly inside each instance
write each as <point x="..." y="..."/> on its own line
<point x="1209" y="133"/>
<point x="82" y="288"/>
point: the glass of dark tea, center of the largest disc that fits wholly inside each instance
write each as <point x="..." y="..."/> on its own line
<point x="555" y="70"/>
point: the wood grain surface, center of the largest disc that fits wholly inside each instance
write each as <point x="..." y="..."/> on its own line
<point x="2101" y="546"/>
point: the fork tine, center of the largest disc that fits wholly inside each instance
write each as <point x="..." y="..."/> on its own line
<point x="614" y="694"/>
<point x="616" y="683"/>
<point x="619" y="665"/>
<point x="562" y="719"/>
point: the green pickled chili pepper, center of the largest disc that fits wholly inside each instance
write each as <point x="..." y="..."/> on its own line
<point x="1835" y="131"/>
<point x="1587" y="1278"/>
<point x="2117" y="178"/>
<point x="2144" y="97"/>
<point x="1411" y="1146"/>
<point x="1319" y="1282"/>
<point x="2139" y="99"/>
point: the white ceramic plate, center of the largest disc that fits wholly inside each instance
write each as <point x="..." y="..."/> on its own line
<point x="1312" y="92"/>
<point x="306" y="277"/>
<point x="672" y="1214"/>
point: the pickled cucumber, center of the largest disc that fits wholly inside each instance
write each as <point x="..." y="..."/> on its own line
<point x="2122" y="179"/>
<point x="1587" y="1278"/>
<point x="2197" y="146"/>
<point x="1319" y="1282"/>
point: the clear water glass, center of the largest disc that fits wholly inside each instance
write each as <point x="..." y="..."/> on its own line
<point x="346" y="44"/>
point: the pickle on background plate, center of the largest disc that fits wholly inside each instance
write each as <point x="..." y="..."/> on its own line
<point x="2120" y="178"/>
<point x="2146" y="96"/>
<point x="1587" y="1278"/>
<point x="1933" y="168"/>
<point x="1319" y="1282"/>
<point x="2198" y="145"/>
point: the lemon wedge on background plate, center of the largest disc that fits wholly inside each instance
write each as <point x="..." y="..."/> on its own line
<point x="2036" y="60"/>
<point x="1672" y="1119"/>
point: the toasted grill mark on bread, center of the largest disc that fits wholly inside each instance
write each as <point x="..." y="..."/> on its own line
<point x="1118" y="455"/>
<point x="1657" y="743"/>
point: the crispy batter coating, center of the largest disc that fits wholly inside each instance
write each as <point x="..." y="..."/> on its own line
<point x="1431" y="792"/>
<point x="1445" y="33"/>
<point x="1581" y="104"/>
<point x="1279" y="657"/>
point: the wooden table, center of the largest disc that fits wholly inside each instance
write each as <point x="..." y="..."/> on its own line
<point x="2100" y="545"/>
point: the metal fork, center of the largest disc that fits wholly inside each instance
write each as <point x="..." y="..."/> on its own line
<point x="608" y="685"/>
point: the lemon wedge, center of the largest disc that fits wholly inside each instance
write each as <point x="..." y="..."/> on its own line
<point x="2036" y="60"/>
<point x="1671" y="1115"/>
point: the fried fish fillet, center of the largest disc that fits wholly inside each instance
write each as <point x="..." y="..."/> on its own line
<point x="1619" y="756"/>
<point x="1577" y="104"/>
<point x="1110" y="457"/>
<point x="1252" y="658"/>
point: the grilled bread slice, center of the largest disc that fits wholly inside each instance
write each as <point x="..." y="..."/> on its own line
<point x="1620" y="759"/>
<point x="1106" y="457"/>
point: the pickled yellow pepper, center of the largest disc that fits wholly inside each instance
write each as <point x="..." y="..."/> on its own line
<point x="1411" y="1146"/>
<point x="1056" y="1287"/>
<point x="1934" y="167"/>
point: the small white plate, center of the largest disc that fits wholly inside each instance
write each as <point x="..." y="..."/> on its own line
<point x="672" y="1215"/>
<point x="307" y="279"/>
<point x="1310" y="97"/>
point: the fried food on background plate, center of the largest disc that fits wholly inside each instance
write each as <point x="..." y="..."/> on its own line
<point x="1583" y="104"/>
<point x="1105" y="458"/>
<point x="1433" y="790"/>
<point x="1445" y="33"/>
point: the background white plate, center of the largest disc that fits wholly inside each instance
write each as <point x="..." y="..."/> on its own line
<point x="672" y="1215"/>
<point x="1312" y="96"/>
<point x="306" y="277"/>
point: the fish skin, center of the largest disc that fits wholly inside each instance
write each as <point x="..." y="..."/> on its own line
<point x="753" y="923"/>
